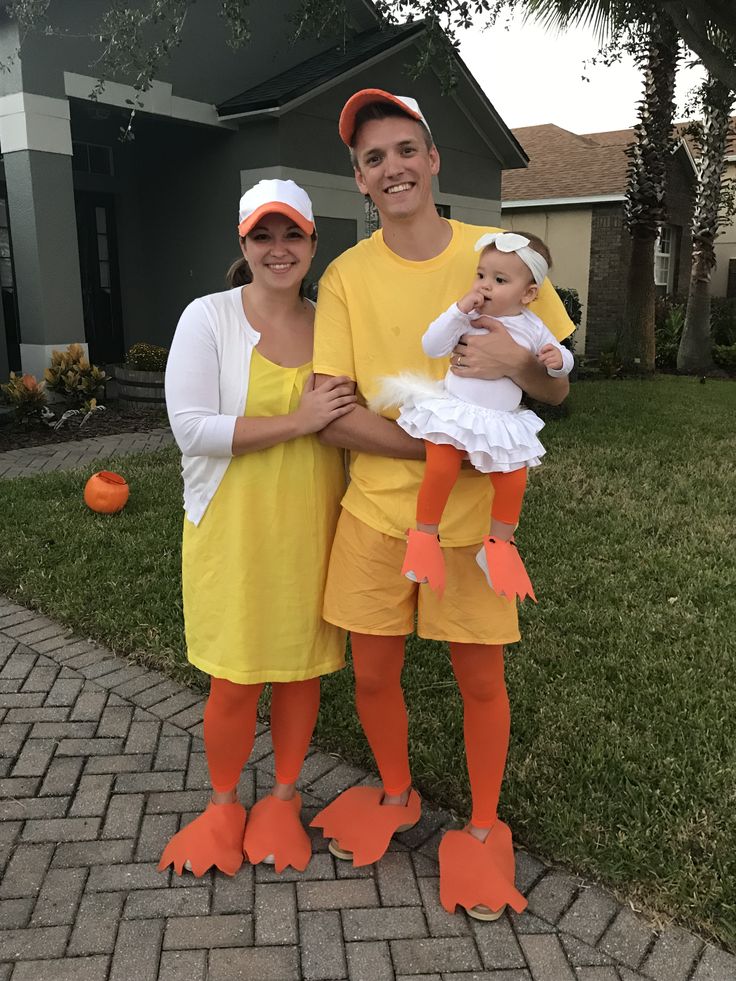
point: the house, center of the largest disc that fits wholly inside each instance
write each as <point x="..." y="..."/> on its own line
<point x="572" y="195"/>
<point x="104" y="241"/>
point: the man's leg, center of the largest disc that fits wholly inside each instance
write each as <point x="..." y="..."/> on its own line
<point x="478" y="669"/>
<point x="379" y="699"/>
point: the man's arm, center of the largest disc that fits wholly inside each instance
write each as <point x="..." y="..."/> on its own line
<point x="497" y="355"/>
<point x="367" y="432"/>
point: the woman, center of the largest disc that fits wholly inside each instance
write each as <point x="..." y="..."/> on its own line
<point x="261" y="497"/>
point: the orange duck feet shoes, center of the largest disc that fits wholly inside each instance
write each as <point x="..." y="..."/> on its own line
<point x="504" y="569"/>
<point x="424" y="561"/>
<point x="361" y="827"/>
<point x="275" y="835"/>
<point x="479" y="875"/>
<point x="214" y="838"/>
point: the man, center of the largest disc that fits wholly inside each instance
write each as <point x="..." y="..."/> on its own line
<point x="375" y="302"/>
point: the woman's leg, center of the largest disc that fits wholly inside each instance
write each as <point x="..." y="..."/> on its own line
<point x="479" y="672"/>
<point x="379" y="699"/>
<point x="274" y="833"/>
<point x="216" y="836"/>
<point x="294" y="708"/>
<point x="229" y="733"/>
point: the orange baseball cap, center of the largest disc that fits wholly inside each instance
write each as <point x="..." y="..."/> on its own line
<point x="275" y="196"/>
<point x="356" y="102"/>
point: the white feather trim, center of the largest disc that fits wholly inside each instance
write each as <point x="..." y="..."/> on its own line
<point x="395" y="390"/>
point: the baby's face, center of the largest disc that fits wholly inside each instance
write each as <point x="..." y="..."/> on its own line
<point x="505" y="281"/>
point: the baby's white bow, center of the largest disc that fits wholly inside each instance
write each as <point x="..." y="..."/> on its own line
<point x="520" y="244"/>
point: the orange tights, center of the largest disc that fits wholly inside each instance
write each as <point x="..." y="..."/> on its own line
<point x="440" y="475"/>
<point x="230" y="728"/>
<point x="478" y="669"/>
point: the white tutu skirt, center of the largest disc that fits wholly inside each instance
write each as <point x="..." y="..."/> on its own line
<point x="496" y="440"/>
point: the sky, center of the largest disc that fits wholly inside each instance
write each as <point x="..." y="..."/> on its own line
<point x="533" y="76"/>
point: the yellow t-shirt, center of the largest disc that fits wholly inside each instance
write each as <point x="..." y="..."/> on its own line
<point x="372" y="310"/>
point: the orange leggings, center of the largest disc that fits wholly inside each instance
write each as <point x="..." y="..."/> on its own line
<point x="440" y="475"/>
<point x="230" y="728"/>
<point x="478" y="668"/>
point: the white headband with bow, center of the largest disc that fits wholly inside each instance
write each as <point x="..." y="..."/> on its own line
<point x="511" y="242"/>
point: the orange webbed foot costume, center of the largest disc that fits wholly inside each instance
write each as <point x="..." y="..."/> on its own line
<point x="423" y="561"/>
<point x="213" y="838"/>
<point x="361" y="827"/>
<point x="504" y="569"/>
<point x="274" y="829"/>
<point x="479" y="875"/>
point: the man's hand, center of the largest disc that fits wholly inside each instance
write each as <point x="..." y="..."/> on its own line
<point x="492" y="355"/>
<point x="550" y="356"/>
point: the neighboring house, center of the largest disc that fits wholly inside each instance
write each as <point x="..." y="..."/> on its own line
<point x="724" y="275"/>
<point x="105" y="242"/>
<point x="572" y="195"/>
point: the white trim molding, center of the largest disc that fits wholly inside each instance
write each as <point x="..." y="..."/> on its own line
<point x="158" y="100"/>
<point x="562" y="202"/>
<point x="34" y="122"/>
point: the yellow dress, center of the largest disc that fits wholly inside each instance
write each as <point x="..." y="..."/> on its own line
<point x="254" y="569"/>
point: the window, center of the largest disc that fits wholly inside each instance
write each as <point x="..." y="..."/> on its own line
<point x="89" y="158"/>
<point x="6" y="261"/>
<point x="664" y="259"/>
<point x="443" y="210"/>
<point x="102" y="249"/>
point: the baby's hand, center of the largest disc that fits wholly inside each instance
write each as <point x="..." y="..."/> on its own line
<point x="550" y="356"/>
<point x="473" y="300"/>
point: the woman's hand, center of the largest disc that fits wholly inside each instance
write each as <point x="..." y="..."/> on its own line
<point x="319" y="407"/>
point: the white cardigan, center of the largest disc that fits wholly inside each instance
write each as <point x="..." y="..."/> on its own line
<point x="206" y="389"/>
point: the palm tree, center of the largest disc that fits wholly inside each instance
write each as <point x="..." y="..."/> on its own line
<point x="695" y="354"/>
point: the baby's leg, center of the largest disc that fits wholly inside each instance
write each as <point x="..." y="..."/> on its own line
<point x="423" y="560"/>
<point x="499" y="558"/>
<point x="508" y="497"/>
<point x="440" y="475"/>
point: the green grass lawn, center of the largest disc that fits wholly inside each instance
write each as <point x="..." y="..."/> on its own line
<point x="622" y="762"/>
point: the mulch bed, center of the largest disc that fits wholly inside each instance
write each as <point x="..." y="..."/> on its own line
<point x="115" y="419"/>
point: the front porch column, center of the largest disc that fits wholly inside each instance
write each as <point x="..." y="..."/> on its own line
<point x="35" y="139"/>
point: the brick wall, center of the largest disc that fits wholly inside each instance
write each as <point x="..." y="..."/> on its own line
<point x="610" y="248"/>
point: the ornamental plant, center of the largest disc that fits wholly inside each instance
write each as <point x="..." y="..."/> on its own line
<point x="26" y="394"/>
<point x="147" y="357"/>
<point x="72" y="376"/>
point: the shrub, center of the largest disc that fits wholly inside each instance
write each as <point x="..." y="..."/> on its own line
<point x="669" y="319"/>
<point x="72" y="376"/>
<point x="724" y="356"/>
<point x="25" y="394"/>
<point x="574" y="308"/>
<point x="723" y="320"/>
<point x="147" y="357"/>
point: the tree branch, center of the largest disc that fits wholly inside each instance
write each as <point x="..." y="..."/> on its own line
<point x="717" y="63"/>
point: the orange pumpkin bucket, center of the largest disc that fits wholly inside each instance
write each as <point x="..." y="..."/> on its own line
<point x="106" y="492"/>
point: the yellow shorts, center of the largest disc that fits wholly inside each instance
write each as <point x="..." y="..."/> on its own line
<point x="366" y="593"/>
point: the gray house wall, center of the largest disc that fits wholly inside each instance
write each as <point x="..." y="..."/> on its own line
<point x="176" y="184"/>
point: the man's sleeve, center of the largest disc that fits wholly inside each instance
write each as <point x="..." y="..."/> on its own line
<point x="333" y="339"/>
<point x="551" y="310"/>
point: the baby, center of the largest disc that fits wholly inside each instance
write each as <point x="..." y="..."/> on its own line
<point x="478" y="418"/>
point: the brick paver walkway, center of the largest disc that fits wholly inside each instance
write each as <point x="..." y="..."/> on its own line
<point x="101" y="761"/>
<point x="77" y="453"/>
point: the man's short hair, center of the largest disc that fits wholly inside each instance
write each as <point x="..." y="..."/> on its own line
<point x="383" y="110"/>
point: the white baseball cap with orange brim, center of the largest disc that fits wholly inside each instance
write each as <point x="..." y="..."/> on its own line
<point x="364" y="98"/>
<point x="275" y="197"/>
